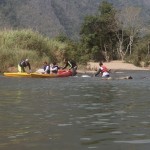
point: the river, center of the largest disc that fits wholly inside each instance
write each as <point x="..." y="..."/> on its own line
<point x="75" y="113"/>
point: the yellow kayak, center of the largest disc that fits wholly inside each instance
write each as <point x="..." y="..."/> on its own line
<point x="17" y="74"/>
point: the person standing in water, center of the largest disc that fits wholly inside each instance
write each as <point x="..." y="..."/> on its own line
<point x="23" y="64"/>
<point x="72" y="66"/>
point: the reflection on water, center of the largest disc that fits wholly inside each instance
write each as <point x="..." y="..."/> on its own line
<point x="75" y="113"/>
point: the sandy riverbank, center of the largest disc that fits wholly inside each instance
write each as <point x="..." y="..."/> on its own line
<point x="113" y="65"/>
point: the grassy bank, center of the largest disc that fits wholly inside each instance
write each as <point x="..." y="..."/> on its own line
<point x="16" y="45"/>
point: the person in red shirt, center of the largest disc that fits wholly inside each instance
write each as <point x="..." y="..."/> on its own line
<point x="102" y="70"/>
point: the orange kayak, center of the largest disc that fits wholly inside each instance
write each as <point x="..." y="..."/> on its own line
<point x="61" y="73"/>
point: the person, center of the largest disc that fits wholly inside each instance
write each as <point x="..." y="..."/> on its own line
<point x="103" y="71"/>
<point x="23" y="64"/>
<point x="126" y="77"/>
<point x="72" y="66"/>
<point x="54" y="68"/>
<point x="119" y="78"/>
<point x="46" y="68"/>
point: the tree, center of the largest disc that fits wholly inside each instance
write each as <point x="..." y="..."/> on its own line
<point x="109" y="27"/>
<point x="141" y="51"/>
<point x="129" y="27"/>
<point x="90" y="33"/>
<point x="98" y="33"/>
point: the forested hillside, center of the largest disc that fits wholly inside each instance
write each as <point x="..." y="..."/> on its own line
<point x="53" y="17"/>
<point x="143" y="4"/>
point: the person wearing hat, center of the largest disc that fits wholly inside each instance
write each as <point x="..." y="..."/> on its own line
<point x="23" y="64"/>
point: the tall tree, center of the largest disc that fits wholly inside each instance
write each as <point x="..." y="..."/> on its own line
<point x="129" y="27"/>
<point x="109" y="27"/>
<point x="98" y="33"/>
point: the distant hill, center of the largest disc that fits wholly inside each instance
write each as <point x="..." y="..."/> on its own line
<point x="143" y="4"/>
<point x="52" y="17"/>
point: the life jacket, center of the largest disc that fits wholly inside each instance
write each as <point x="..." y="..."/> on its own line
<point x="72" y="63"/>
<point x="46" y="67"/>
<point x="104" y="68"/>
<point x="24" y="64"/>
<point x="55" y="69"/>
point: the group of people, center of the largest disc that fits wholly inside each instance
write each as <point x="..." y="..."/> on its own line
<point x="102" y="71"/>
<point x="52" y="68"/>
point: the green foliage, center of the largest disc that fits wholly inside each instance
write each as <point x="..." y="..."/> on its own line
<point x="71" y="51"/>
<point x="98" y="33"/>
<point x="136" y="62"/>
<point x="134" y="59"/>
<point x="141" y="52"/>
<point x="62" y="38"/>
<point x="106" y="8"/>
<point x="147" y="61"/>
<point x="25" y="39"/>
<point x="16" y="45"/>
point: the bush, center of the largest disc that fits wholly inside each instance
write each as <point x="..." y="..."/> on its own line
<point x="16" y="45"/>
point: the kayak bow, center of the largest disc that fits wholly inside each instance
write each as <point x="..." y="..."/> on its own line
<point x="17" y="74"/>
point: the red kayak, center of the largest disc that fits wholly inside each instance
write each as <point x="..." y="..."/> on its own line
<point x="61" y="73"/>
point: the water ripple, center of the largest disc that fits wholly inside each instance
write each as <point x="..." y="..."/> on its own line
<point x="135" y="141"/>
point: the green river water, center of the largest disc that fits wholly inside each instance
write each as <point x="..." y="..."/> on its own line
<point x="75" y="113"/>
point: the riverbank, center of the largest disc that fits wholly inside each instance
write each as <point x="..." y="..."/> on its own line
<point x="113" y="65"/>
<point x="91" y="67"/>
